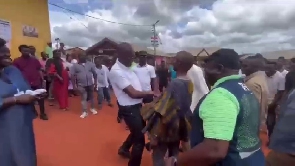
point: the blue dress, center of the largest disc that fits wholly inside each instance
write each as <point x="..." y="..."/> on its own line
<point x="17" y="142"/>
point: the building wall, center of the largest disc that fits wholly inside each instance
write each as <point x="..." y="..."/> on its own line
<point x="26" y="12"/>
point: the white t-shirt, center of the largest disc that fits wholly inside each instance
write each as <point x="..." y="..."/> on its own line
<point x="284" y="73"/>
<point x="196" y="75"/>
<point x="121" y="77"/>
<point x="275" y="83"/>
<point x="145" y="74"/>
<point x="102" y="76"/>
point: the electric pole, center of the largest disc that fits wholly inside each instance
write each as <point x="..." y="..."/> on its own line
<point x="154" y="41"/>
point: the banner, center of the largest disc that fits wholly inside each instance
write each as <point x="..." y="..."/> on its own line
<point x="5" y="31"/>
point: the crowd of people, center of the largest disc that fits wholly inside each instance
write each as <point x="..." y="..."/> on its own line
<point x="209" y="114"/>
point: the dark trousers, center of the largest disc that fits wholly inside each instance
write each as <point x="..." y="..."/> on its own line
<point x="162" y="84"/>
<point x="119" y="112"/>
<point x="135" y="139"/>
<point x="103" y="94"/>
<point x="147" y="99"/>
<point x="270" y="120"/>
<point x="40" y="102"/>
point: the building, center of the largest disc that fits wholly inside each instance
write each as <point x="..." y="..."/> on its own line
<point x="107" y="49"/>
<point x="274" y="55"/>
<point x="28" y="23"/>
<point x="74" y="52"/>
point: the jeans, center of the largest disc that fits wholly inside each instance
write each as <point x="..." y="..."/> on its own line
<point x="86" y="94"/>
<point x="275" y="158"/>
<point x="41" y="102"/>
<point x="103" y="93"/>
<point x="160" y="151"/>
<point x="135" y="139"/>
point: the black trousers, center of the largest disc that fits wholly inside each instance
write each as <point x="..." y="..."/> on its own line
<point x="41" y="102"/>
<point x="135" y="123"/>
<point x="162" y="84"/>
<point x="270" y="120"/>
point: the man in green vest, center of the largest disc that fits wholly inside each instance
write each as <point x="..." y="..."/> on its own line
<point x="49" y="50"/>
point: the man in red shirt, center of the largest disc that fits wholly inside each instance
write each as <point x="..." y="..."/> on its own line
<point x="32" y="72"/>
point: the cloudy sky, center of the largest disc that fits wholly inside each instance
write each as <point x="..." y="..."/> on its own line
<point x="245" y="25"/>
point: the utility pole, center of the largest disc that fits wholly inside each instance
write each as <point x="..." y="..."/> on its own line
<point x="154" y="37"/>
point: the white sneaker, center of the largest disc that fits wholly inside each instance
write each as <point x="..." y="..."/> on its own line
<point x="84" y="114"/>
<point x="94" y="112"/>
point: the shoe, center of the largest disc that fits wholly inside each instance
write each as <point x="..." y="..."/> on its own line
<point x="99" y="106"/>
<point x="119" y="120"/>
<point x="148" y="146"/>
<point x="43" y="117"/>
<point x="94" y="112"/>
<point x="84" y="114"/>
<point x="124" y="153"/>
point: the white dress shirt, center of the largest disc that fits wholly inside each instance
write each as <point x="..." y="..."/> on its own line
<point x="284" y="73"/>
<point x="103" y="72"/>
<point x="196" y="75"/>
<point x="145" y="74"/>
<point x="121" y="77"/>
<point x="275" y="83"/>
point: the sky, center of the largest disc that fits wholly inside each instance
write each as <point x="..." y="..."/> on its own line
<point x="248" y="26"/>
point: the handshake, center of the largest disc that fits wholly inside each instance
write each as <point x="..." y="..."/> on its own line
<point x="32" y="92"/>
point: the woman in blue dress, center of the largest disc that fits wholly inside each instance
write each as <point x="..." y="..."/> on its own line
<point x="17" y="142"/>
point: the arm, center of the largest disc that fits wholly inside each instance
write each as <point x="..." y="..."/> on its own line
<point x="219" y="121"/>
<point x="7" y="102"/>
<point x="280" y="92"/>
<point x="154" y="79"/>
<point x="73" y="76"/>
<point x="123" y="83"/>
<point x="94" y="73"/>
<point x="39" y="67"/>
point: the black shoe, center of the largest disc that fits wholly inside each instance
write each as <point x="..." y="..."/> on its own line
<point x="43" y="117"/>
<point x="119" y="120"/>
<point x="124" y="153"/>
<point x="148" y="146"/>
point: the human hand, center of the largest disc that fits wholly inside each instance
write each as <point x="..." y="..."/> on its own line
<point x="171" y="161"/>
<point x="157" y="93"/>
<point x="25" y="99"/>
<point x="41" y="96"/>
<point x="150" y="93"/>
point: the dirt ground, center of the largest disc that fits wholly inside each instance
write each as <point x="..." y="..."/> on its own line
<point x="67" y="140"/>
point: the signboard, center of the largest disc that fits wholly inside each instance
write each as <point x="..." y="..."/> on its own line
<point x="30" y="31"/>
<point x="5" y="31"/>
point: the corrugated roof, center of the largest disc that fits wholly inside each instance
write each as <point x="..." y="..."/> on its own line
<point x="148" y="50"/>
<point x="201" y="51"/>
<point x="287" y="54"/>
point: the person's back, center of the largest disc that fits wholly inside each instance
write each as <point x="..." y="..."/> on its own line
<point x="196" y="75"/>
<point x="256" y="82"/>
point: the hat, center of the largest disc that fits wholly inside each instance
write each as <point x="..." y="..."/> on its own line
<point x="228" y="58"/>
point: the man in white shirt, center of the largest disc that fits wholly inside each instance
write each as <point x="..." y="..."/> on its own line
<point x="281" y="66"/>
<point x="102" y="83"/>
<point x="128" y="91"/>
<point x="146" y="75"/>
<point x="196" y="75"/>
<point x="276" y="86"/>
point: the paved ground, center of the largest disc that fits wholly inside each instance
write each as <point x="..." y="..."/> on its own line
<point x="67" y="140"/>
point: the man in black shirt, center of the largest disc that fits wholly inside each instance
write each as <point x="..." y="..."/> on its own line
<point x="163" y="75"/>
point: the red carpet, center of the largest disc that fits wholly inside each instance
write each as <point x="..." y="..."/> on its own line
<point x="67" y="140"/>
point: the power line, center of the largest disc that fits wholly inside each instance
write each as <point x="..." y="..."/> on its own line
<point x="69" y="10"/>
<point x="72" y="17"/>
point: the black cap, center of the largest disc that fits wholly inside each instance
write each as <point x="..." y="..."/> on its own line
<point x="228" y="58"/>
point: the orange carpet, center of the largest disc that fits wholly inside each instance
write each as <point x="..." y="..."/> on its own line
<point x="67" y="140"/>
